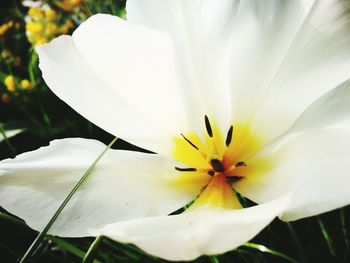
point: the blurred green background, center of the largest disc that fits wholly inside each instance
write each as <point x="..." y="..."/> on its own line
<point x="31" y="116"/>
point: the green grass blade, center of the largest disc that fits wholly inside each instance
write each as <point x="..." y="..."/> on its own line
<point x="264" y="249"/>
<point x="67" y="246"/>
<point x="214" y="259"/>
<point x="327" y="238"/>
<point x="91" y="253"/>
<point x="41" y="236"/>
<point x="6" y="139"/>
<point x="344" y="229"/>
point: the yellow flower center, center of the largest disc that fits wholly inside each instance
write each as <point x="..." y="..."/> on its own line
<point x="217" y="162"/>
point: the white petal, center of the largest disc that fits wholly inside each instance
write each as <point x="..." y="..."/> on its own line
<point x="223" y="47"/>
<point x="315" y="58"/>
<point x="192" y="234"/>
<point x="262" y="34"/>
<point x="275" y="56"/>
<point x="199" y="29"/>
<point x="331" y="109"/>
<point x="119" y="76"/>
<point x="312" y="159"/>
<point x="124" y="185"/>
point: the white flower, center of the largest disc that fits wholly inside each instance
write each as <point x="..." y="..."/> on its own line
<point x="252" y="94"/>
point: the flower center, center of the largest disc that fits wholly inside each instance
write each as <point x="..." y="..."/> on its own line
<point x="215" y="162"/>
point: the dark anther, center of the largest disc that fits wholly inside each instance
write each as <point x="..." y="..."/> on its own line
<point x="185" y="169"/>
<point x="211" y="173"/>
<point x="207" y="126"/>
<point x="217" y="165"/>
<point x="229" y="136"/>
<point x="241" y="164"/>
<point x="191" y="143"/>
<point x="233" y="178"/>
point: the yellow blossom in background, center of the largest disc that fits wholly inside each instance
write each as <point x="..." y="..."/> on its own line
<point x="10" y="83"/>
<point x="66" y="27"/>
<point x="44" y="24"/>
<point x="5" y="54"/>
<point x="50" y="14"/>
<point x="41" y="41"/>
<point x="52" y="28"/>
<point x="25" y="84"/>
<point x="5" y="27"/>
<point x="35" y="28"/>
<point x="68" y="5"/>
<point x="35" y="12"/>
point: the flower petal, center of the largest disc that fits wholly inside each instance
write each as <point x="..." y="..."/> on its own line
<point x="333" y="108"/>
<point x="317" y="59"/>
<point x="121" y="77"/>
<point x="204" y="232"/>
<point x="274" y="57"/>
<point x="124" y="185"/>
<point x="312" y="159"/>
<point x="199" y="30"/>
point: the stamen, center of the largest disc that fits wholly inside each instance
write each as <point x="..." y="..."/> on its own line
<point x="229" y="136"/>
<point x="191" y="143"/>
<point x="185" y="169"/>
<point x="233" y="178"/>
<point x="241" y="163"/>
<point x="207" y="126"/>
<point x="217" y="165"/>
<point x="211" y="173"/>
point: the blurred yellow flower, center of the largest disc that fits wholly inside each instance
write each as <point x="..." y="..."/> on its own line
<point x="25" y="84"/>
<point x="69" y="5"/>
<point x="34" y="28"/>
<point x="66" y="27"/>
<point x="10" y="83"/>
<point x="5" y="54"/>
<point x="5" y="27"/>
<point x="40" y="41"/>
<point x="35" y="12"/>
<point x="44" y="24"/>
<point x="51" y="28"/>
<point x="50" y="14"/>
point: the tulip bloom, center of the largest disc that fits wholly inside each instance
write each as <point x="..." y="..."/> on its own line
<point x="247" y="97"/>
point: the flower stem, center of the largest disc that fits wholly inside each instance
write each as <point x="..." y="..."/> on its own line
<point x="41" y="236"/>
